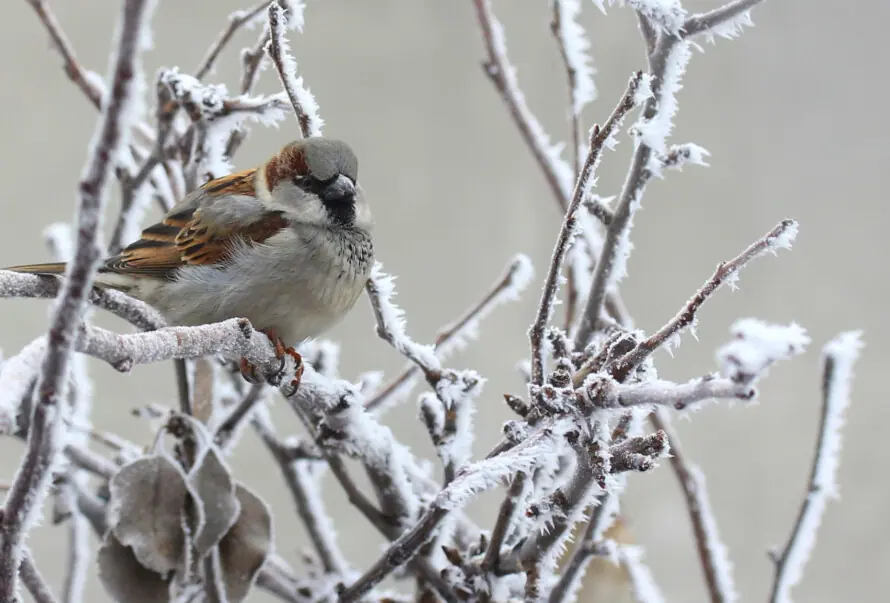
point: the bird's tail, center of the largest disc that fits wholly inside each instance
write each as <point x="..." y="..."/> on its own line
<point x="51" y="268"/>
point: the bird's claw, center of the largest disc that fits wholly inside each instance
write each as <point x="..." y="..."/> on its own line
<point x="249" y="371"/>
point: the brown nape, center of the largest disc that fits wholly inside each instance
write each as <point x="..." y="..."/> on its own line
<point x="239" y="183"/>
<point x="289" y="162"/>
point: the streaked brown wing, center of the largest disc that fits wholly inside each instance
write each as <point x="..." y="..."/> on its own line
<point x="184" y="237"/>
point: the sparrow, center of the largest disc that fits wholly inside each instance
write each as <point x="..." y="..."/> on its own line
<point x="286" y="245"/>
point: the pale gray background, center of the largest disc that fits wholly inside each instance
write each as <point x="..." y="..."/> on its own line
<point x="793" y="115"/>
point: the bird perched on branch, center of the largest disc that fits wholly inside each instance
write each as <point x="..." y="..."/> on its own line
<point x="286" y="245"/>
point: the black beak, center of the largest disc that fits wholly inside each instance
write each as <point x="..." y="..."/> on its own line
<point x="341" y="190"/>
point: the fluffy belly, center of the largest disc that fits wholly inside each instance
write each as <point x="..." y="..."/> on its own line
<point x="299" y="287"/>
<point x="296" y="309"/>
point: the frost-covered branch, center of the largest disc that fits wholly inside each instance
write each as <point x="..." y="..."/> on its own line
<point x="503" y="75"/>
<point x="591" y="544"/>
<point x="666" y="66"/>
<point x="712" y="553"/>
<point x="717" y="21"/>
<point x="83" y="79"/>
<point x="573" y="46"/>
<point x="134" y="197"/>
<point x="306" y="495"/>
<point x="34" y="580"/>
<point x="471" y="481"/>
<point x="391" y="325"/>
<point x="839" y="356"/>
<point x="599" y="137"/>
<point x="236" y="21"/>
<point x="645" y="590"/>
<point x="452" y="337"/>
<point x="565" y="458"/>
<point x="135" y="312"/>
<point x="110" y="139"/>
<point x="302" y="100"/>
<point x="780" y="237"/>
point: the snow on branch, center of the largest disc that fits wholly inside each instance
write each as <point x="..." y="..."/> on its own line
<point x="140" y="315"/>
<point x="839" y="356"/>
<point x="502" y="74"/>
<point x="779" y="237"/>
<point x="725" y="21"/>
<point x="566" y="456"/>
<point x="109" y="140"/>
<point x="713" y="554"/>
<point x="304" y="104"/>
<point x="237" y="20"/>
<point x="391" y="324"/>
<point x="599" y="138"/>
<point x="573" y="48"/>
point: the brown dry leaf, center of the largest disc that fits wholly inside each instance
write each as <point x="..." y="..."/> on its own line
<point x="212" y="483"/>
<point x="202" y="398"/>
<point x="125" y="578"/>
<point x="245" y="548"/>
<point x="145" y="511"/>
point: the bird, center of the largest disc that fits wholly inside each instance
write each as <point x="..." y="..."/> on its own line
<point x="287" y="245"/>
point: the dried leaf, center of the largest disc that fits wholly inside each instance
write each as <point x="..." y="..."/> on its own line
<point x="145" y="511"/>
<point x="202" y="398"/>
<point x="245" y="548"/>
<point x="212" y="483"/>
<point x="125" y="578"/>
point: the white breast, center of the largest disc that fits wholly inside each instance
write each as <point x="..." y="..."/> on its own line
<point x="299" y="284"/>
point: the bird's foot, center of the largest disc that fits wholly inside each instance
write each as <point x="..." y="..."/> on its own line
<point x="249" y="372"/>
<point x="282" y="351"/>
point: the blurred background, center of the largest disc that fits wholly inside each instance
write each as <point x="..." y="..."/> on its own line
<point x="456" y="194"/>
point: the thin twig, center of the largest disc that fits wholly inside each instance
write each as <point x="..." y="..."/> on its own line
<point x="558" y="25"/>
<point x="34" y="580"/>
<point x="239" y="414"/>
<point x="472" y="480"/>
<point x="73" y="69"/>
<point x="590" y="544"/>
<point x="502" y="525"/>
<point x="309" y="508"/>
<point x="508" y="286"/>
<point x="707" y="22"/>
<point x="635" y="182"/>
<point x="839" y="356"/>
<point x="598" y="138"/>
<point x="78" y="552"/>
<point x="110" y="138"/>
<point x="779" y="237"/>
<point x="712" y="553"/>
<point x="503" y="75"/>
<point x="237" y="20"/>
<point x="303" y="102"/>
<point x="132" y="186"/>
<point x="137" y="313"/>
<point x="648" y="31"/>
